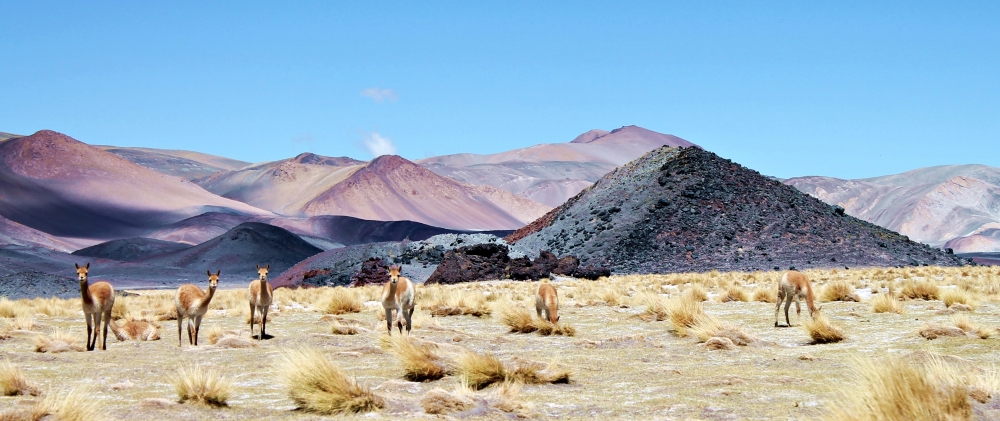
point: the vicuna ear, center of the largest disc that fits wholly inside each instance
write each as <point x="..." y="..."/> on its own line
<point x="268" y="266"/>
<point x="208" y="272"/>
<point x="218" y="272"/>
<point x="258" y="267"/>
<point x="77" y="266"/>
<point x="88" y="266"/>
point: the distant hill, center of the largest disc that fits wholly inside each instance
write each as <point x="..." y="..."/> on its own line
<point x="676" y="210"/>
<point x="4" y="136"/>
<point x="185" y="164"/>
<point x="953" y="204"/>
<point x="130" y="249"/>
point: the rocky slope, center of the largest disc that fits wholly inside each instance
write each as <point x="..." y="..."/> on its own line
<point x="130" y="249"/>
<point x="56" y="184"/>
<point x="186" y="164"/>
<point x="687" y="209"/>
<point x="933" y="205"/>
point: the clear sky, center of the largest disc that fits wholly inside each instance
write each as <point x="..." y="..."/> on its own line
<point x="846" y="89"/>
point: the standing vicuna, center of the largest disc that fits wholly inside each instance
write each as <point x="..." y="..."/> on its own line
<point x="97" y="302"/>
<point x="547" y="301"/>
<point x="192" y="303"/>
<point x="260" y="294"/>
<point x="397" y="294"/>
<point x="793" y="286"/>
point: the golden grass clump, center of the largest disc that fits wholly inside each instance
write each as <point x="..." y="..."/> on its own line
<point x="655" y="307"/>
<point x="14" y="308"/>
<point x="924" y="290"/>
<point x="343" y="301"/>
<point x="420" y="363"/>
<point x="20" y="323"/>
<point x="546" y="328"/>
<point x="963" y="322"/>
<point x="318" y="385"/>
<point x="520" y="320"/>
<point x="202" y="386"/>
<point x="822" y="331"/>
<point x="959" y="296"/>
<point x="901" y="389"/>
<point x="838" y="290"/>
<point x="765" y="295"/>
<point x="734" y="293"/>
<point x="706" y="327"/>
<point x="481" y="370"/>
<point x="77" y="404"/>
<point x="438" y="401"/>
<point x="696" y="292"/>
<point x="214" y="334"/>
<point x="59" y="341"/>
<point x="338" y="328"/>
<point x="13" y="382"/>
<point x="886" y="303"/>
<point x="683" y="313"/>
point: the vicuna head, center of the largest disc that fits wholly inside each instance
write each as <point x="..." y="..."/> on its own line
<point x="394" y="274"/>
<point x="213" y="280"/>
<point x="262" y="271"/>
<point x="813" y="312"/>
<point x="81" y="271"/>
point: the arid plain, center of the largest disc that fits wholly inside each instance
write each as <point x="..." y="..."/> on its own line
<point x="632" y="346"/>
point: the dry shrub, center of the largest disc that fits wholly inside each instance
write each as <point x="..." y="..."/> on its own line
<point x="517" y="318"/>
<point x="902" y="389"/>
<point x="734" y="293"/>
<point x="822" y="331"/>
<point x="955" y="295"/>
<point x="504" y="399"/>
<point x="530" y="372"/>
<point x="60" y="341"/>
<point x="318" y="385"/>
<point x="886" y="303"/>
<point x="683" y="313"/>
<point x="706" y="327"/>
<point x="202" y="386"/>
<point x="765" y="295"/>
<point x="214" y="334"/>
<point x="695" y="292"/>
<point x="419" y="361"/>
<point x="340" y="329"/>
<point x="924" y="290"/>
<point x="481" y="370"/>
<point x="963" y="322"/>
<point x="655" y="307"/>
<point x="76" y="404"/>
<point x="120" y="308"/>
<point x="20" y="323"/>
<point x="439" y="401"/>
<point x="838" y="290"/>
<point x="546" y="328"/>
<point x="12" y="381"/>
<point x="343" y="301"/>
<point x="8" y="309"/>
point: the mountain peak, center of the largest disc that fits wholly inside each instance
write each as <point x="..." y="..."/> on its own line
<point x="590" y="136"/>
<point x="313" y="159"/>
<point x="388" y="163"/>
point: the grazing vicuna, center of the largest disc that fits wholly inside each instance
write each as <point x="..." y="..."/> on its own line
<point x="793" y="286"/>
<point x="192" y="303"/>
<point x="98" y="299"/>
<point x="135" y="331"/>
<point x="397" y="294"/>
<point x="547" y="302"/>
<point x="260" y="294"/>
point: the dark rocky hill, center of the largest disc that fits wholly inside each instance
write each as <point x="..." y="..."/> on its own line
<point x="130" y="249"/>
<point x="240" y="249"/>
<point x="687" y="209"/>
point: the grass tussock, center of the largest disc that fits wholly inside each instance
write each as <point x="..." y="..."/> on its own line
<point x="922" y="289"/>
<point x="318" y="385"/>
<point x="481" y="370"/>
<point x="202" y="386"/>
<point x="963" y="322"/>
<point x="13" y="382"/>
<point x="59" y="341"/>
<point x="655" y="307"/>
<point x="696" y="292"/>
<point x="958" y="296"/>
<point x="839" y="290"/>
<point x="214" y="334"/>
<point x="338" y="328"/>
<point x="420" y="362"/>
<point x="683" y="313"/>
<point x="734" y="293"/>
<point x="547" y="328"/>
<point x="520" y="320"/>
<point x="765" y="295"/>
<point x="343" y="301"/>
<point x="886" y="303"/>
<point x="457" y="302"/>
<point x="706" y="327"/>
<point x="21" y="323"/>
<point x="438" y="401"/>
<point x="899" y="389"/>
<point x="77" y="404"/>
<point x="822" y="331"/>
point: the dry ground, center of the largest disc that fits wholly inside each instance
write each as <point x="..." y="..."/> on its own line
<point x="623" y="367"/>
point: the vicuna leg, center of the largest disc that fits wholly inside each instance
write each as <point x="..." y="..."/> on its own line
<point x="253" y="308"/>
<point x="263" y="321"/>
<point x="190" y="330"/>
<point x="409" y="320"/>
<point x="788" y="305"/>
<point x="197" y="327"/>
<point x="180" y="324"/>
<point x="90" y="330"/>
<point x="388" y="319"/>
<point x="97" y="328"/>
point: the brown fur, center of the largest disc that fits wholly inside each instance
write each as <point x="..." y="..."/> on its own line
<point x="547" y="301"/>
<point x="397" y="294"/>
<point x="135" y="331"/>
<point x="192" y="302"/>
<point x="260" y="294"/>
<point x="97" y="300"/>
<point x="793" y="286"/>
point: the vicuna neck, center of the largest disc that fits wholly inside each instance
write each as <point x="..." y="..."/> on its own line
<point x="809" y="298"/>
<point x="208" y="297"/>
<point x="85" y="291"/>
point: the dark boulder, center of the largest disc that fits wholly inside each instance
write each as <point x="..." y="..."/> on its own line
<point x="591" y="272"/>
<point x="373" y="271"/>
<point x="566" y="265"/>
<point x="521" y="269"/>
<point x="472" y="263"/>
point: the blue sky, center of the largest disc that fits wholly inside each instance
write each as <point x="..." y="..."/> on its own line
<point x="846" y="89"/>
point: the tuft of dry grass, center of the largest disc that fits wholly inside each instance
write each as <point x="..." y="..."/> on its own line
<point x="8" y="309"/>
<point x="822" y="331"/>
<point x="481" y="370"/>
<point x="20" y="323"/>
<point x="899" y="389"/>
<point x="318" y="385"/>
<point x="655" y="307"/>
<point x="734" y="293"/>
<point x="420" y="363"/>
<point x="343" y="301"/>
<point x="340" y="329"/>
<point x="202" y="386"/>
<point x="13" y="382"/>
<point x="706" y="327"/>
<point x="529" y="372"/>
<point x="839" y="290"/>
<point x="77" y="404"/>
<point x="546" y="328"/>
<point x="214" y="334"/>
<point x="683" y="313"/>
<point x="696" y="292"/>
<point x="886" y="303"/>
<point x="520" y="320"/>
<point x="958" y="296"/>
<point x="924" y="290"/>
<point x="765" y="295"/>
<point x="963" y="322"/>
<point x="438" y="401"/>
<point x="59" y="341"/>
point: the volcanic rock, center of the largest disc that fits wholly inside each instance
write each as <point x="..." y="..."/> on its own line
<point x="566" y="265"/>
<point x="472" y="263"/>
<point x="687" y="209"/>
<point x="591" y="272"/>
<point x="373" y="271"/>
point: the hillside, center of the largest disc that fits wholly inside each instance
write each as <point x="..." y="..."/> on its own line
<point x="933" y="205"/>
<point x="185" y="164"/>
<point x="129" y="249"/>
<point x="686" y="209"/>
